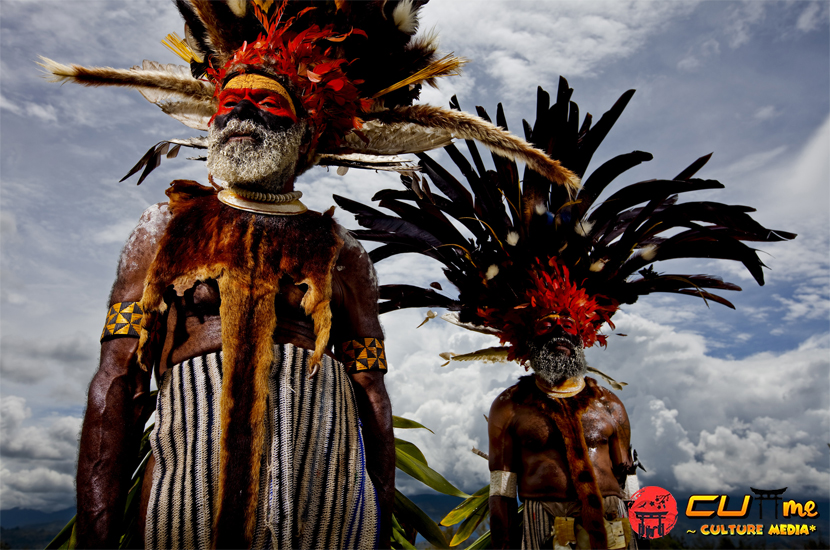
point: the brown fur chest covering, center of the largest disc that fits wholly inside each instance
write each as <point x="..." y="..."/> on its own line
<point x="567" y="414"/>
<point x="247" y="254"/>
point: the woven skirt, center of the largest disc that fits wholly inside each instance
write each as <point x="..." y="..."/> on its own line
<point x="314" y="490"/>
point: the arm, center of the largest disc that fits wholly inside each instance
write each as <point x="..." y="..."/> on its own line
<point x="359" y="319"/>
<point x="619" y="444"/>
<point x="118" y="405"/>
<point x="503" y="508"/>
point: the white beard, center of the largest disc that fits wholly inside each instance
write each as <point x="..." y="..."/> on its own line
<point x="266" y="163"/>
<point x="554" y="366"/>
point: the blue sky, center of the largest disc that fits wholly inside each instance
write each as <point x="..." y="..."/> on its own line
<point x="718" y="399"/>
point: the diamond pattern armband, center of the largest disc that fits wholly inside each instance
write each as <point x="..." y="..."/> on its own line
<point x="363" y="354"/>
<point x="123" y="319"/>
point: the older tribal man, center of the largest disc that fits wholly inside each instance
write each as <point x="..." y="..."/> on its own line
<point x="237" y="295"/>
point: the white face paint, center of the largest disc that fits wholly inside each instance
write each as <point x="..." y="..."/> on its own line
<point x="251" y="156"/>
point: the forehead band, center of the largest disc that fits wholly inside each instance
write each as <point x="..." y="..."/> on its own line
<point x="259" y="82"/>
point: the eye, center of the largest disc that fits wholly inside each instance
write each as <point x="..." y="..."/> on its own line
<point x="543" y="327"/>
<point x="231" y="104"/>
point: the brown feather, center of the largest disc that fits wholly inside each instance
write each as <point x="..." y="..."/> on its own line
<point x="153" y="79"/>
<point x="466" y="126"/>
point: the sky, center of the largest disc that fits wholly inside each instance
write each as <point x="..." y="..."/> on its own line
<point x="719" y="400"/>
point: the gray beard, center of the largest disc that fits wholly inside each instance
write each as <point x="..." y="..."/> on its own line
<point x="553" y="366"/>
<point x="265" y="164"/>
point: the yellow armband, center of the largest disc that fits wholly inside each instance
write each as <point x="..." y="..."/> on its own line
<point x="363" y="354"/>
<point x="123" y="319"/>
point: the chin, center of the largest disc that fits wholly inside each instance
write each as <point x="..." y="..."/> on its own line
<point x="266" y="162"/>
<point x="555" y="366"/>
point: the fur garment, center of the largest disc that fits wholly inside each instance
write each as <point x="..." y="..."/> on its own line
<point x="247" y="254"/>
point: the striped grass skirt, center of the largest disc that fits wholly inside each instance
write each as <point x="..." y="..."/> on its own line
<point x="314" y="490"/>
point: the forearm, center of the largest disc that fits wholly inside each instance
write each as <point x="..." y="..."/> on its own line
<point x="375" y="413"/>
<point x="504" y="530"/>
<point x="108" y="451"/>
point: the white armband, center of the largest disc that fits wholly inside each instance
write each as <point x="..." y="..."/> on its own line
<point x="503" y="484"/>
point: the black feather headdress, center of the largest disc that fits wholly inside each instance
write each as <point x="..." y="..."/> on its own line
<point x="533" y="256"/>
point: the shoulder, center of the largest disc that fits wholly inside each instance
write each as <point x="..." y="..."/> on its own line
<point x="506" y="401"/>
<point x="145" y="237"/>
<point x="609" y="400"/>
<point x="353" y="262"/>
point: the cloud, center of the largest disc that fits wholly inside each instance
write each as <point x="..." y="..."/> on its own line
<point x="55" y="441"/>
<point x="38" y="460"/>
<point x="521" y="42"/>
<point x="702" y="424"/>
<point x="813" y="17"/>
<point x="29" y="361"/>
<point x="766" y="113"/>
<point x="742" y="20"/>
<point x="38" y="488"/>
<point x="46" y="113"/>
<point x="694" y="59"/>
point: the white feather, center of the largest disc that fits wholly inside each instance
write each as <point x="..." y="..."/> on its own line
<point x="237" y="7"/>
<point x="492" y="271"/>
<point x="397" y="139"/>
<point x="405" y="17"/>
<point x="512" y="238"/>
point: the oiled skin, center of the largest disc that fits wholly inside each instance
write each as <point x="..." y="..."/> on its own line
<point x="118" y="403"/>
<point x="525" y="440"/>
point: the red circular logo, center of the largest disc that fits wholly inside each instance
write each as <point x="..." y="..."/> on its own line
<point x="653" y="512"/>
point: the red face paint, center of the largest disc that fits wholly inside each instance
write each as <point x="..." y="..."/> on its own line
<point x="267" y="100"/>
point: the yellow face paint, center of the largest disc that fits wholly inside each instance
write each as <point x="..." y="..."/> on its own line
<point x="259" y="82"/>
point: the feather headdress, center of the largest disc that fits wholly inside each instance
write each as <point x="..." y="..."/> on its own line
<point x="538" y="257"/>
<point x="354" y="68"/>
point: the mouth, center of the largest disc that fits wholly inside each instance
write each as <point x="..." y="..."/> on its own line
<point x="562" y="346"/>
<point x="239" y="137"/>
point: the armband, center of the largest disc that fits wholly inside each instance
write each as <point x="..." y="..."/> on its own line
<point x="503" y="484"/>
<point x="363" y="354"/>
<point x="123" y="319"/>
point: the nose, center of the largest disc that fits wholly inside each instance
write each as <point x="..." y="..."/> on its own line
<point x="246" y="110"/>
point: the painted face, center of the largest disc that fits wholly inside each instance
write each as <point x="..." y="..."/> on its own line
<point x="255" y="138"/>
<point x="264" y="106"/>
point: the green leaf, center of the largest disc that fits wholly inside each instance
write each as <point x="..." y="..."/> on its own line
<point x="397" y="536"/>
<point x="482" y="542"/>
<point x="405" y="423"/>
<point x="64" y="538"/>
<point x="471" y="523"/>
<point x="426" y="475"/>
<point x="463" y="510"/>
<point x="412" y="514"/>
<point x="411" y="449"/>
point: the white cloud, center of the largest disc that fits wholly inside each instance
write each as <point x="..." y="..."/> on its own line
<point x="742" y="20"/>
<point x="694" y="59"/>
<point x="55" y="441"/>
<point x="521" y="42"/>
<point x="38" y="488"/>
<point x="702" y="423"/>
<point x="766" y="113"/>
<point x="813" y="16"/>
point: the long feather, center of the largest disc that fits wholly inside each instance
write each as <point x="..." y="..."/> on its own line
<point x="158" y="79"/>
<point x="466" y="126"/>
<point x="449" y="65"/>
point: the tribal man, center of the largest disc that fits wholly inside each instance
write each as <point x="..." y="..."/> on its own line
<point x="551" y="424"/>
<point x="546" y="268"/>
